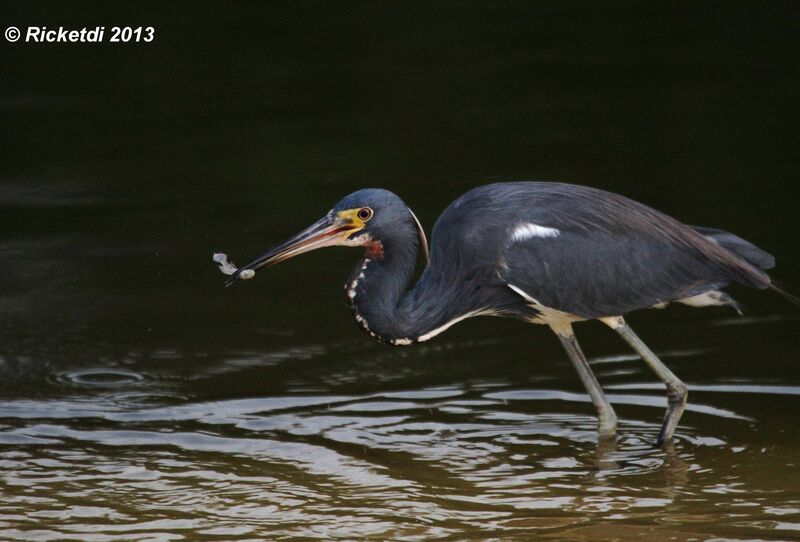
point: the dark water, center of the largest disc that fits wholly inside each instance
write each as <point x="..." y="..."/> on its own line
<point x="140" y="400"/>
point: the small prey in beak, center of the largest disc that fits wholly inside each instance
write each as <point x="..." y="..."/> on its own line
<point x="228" y="268"/>
<point x="333" y="229"/>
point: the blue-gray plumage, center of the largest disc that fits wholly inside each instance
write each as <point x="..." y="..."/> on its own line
<point x="547" y="253"/>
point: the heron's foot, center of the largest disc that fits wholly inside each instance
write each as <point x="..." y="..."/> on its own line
<point x="607" y="426"/>
<point x="677" y="393"/>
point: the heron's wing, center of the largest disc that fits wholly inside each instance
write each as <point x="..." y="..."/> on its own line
<point x="608" y="256"/>
<point x="596" y="275"/>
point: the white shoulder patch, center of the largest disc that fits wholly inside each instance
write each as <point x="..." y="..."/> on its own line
<point x="528" y="230"/>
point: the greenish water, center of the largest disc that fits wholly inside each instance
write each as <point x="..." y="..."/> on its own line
<point x="141" y="400"/>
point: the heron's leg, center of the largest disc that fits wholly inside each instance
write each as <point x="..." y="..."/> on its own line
<point x="677" y="392"/>
<point x="605" y="413"/>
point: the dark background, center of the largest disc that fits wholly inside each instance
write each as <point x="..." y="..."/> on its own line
<point x="124" y="166"/>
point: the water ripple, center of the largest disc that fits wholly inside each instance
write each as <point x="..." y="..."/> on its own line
<point x="102" y="377"/>
<point x="133" y="462"/>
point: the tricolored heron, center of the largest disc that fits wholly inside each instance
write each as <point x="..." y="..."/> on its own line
<point x="546" y="253"/>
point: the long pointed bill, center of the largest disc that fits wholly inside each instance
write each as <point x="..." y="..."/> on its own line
<point x="323" y="233"/>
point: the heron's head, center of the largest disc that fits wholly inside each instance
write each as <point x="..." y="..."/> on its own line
<point x="364" y="218"/>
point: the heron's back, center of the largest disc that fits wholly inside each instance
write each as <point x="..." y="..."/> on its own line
<point x="587" y="251"/>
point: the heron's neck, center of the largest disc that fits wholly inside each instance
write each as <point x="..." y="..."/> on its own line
<point x="381" y="301"/>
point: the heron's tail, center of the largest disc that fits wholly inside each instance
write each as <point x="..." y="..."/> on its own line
<point x="744" y="249"/>
<point x="784" y="294"/>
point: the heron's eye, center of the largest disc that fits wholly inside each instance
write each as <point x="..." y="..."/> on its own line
<point x="365" y="213"/>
